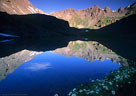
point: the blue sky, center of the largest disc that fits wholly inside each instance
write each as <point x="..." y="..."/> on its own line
<point x="57" y="5"/>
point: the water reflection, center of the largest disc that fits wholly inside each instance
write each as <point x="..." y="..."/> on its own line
<point x="60" y="70"/>
<point x="37" y="66"/>
<point x="9" y="63"/>
<point x="91" y="51"/>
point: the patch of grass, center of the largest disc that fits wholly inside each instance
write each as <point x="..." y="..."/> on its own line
<point x="131" y="12"/>
<point x="77" y="46"/>
<point x="75" y="21"/>
<point x="91" y="27"/>
<point x="105" y="20"/>
<point x="104" y="50"/>
<point x="121" y="82"/>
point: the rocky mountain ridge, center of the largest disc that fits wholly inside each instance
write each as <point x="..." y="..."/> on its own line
<point x="9" y="63"/>
<point x="91" y="51"/>
<point x="93" y="16"/>
<point x="18" y="7"/>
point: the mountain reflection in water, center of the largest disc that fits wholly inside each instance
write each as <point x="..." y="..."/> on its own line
<point x="46" y="73"/>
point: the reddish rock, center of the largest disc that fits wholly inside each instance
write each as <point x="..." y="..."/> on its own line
<point x="107" y="10"/>
<point x="91" y="16"/>
<point x="18" y="7"/>
<point x="120" y="9"/>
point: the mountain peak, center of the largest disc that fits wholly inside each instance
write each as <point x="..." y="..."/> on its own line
<point x="134" y="4"/>
<point x="120" y="9"/>
<point x="107" y="10"/>
<point x="71" y="9"/>
<point x="18" y="7"/>
<point x="96" y="6"/>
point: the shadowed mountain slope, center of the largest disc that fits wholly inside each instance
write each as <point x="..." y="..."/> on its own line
<point x="49" y="33"/>
<point x="33" y="25"/>
<point x="125" y="26"/>
<point x="119" y="36"/>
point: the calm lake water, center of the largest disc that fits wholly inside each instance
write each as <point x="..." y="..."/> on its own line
<point x="30" y="73"/>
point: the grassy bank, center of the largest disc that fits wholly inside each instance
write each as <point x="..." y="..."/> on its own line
<point x="121" y="82"/>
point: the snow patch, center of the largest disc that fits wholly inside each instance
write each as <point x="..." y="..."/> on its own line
<point x="21" y="10"/>
<point x="113" y="10"/>
<point x="5" y="5"/>
<point x="31" y="9"/>
<point x="34" y="53"/>
<point x="86" y="30"/>
<point x="6" y="40"/>
<point x="128" y="6"/>
<point x="7" y="35"/>
<point x="85" y="38"/>
<point x="15" y="11"/>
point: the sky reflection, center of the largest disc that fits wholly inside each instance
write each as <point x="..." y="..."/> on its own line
<point x="49" y="73"/>
<point x="38" y="66"/>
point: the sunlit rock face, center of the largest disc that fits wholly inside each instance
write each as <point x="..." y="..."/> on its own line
<point x="18" y="7"/>
<point x="86" y="18"/>
<point x="9" y="63"/>
<point x="90" y="50"/>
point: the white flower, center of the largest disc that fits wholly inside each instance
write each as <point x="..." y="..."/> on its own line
<point x="74" y="89"/>
<point x="73" y="95"/>
<point x="102" y="84"/>
<point x="117" y="77"/>
<point x="91" y="91"/>
<point x="106" y="87"/>
<point x="116" y="80"/>
<point x="113" y="92"/>
<point x="88" y="93"/>
<point x="88" y="90"/>
<point x="80" y="91"/>
<point x="56" y="95"/>
<point x="84" y="89"/>
<point x="70" y="93"/>
<point x="110" y="83"/>
<point x="97" y="90"/>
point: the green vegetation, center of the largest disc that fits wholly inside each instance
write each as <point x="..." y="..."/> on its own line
<point x="131" y="12"/>
<point x="84" y="45"/>
<point x="102" y="49"/>
<point x="83" y="22"/>
<point x="121" y="82"/>
<point x="76" y="46"/>
<point x="121" y="17"/>
<point x="106" y="20"/>
<point x="79" y="21"/>
<point x="91" y="27"/>
<point x="105" y="50"/>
